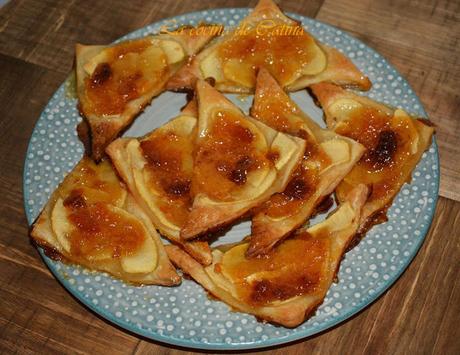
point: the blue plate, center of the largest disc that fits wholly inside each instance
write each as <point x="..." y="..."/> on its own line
<point x="184" y="315"/>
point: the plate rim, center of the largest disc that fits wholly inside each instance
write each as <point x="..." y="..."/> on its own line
<point x="271" y="342"/>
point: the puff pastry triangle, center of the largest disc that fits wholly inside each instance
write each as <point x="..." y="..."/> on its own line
<point x="158" y="170"/>
<point x="394" y="144"/>
<point x="91" y="220"/>
<point x="239" y="163"/>
<point x="287" y="285"/>
<point x="268" y="39"/>
<point x="328" y="158"/>
<point x="116" y="82"/>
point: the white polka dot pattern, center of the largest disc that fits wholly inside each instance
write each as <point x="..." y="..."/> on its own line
<point x="184" y="315"/>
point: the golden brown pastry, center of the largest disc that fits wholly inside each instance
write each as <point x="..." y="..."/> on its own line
<point x="268" y="39"/>
<point x="239" y="163"/>
<point x="327" y="159"/>
<point x="288" y="284"/>
<point x="158" y="171"/>
<point x="394" y="144"/>
<point x="115" y="83"/>
<point x="92" y="221"/>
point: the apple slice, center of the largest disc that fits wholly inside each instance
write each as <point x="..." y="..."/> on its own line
<point x="403" y="120"/>
<point x="318" y="62"/>
<point x="341" y="110"/>
<point x="173" y="50"/>
<point x="285" y="146"/>
<point x="240" y="72"/>
<point x="210" y="68"/>
<point x="143" y="260"/>
<point x="337" y="221"/>
<point x="148" y="194"/>
<point x="147" y="191"/>
<point x="64" y="228"/>
<point x="152" y="62"/>
<point x="61" y="225"/>
<point x="338" y="151"/>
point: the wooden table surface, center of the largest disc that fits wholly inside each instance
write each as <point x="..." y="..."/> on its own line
<point x="419" y="314"/>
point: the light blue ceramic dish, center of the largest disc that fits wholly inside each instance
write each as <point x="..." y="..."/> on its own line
<point x="184" y="315"/>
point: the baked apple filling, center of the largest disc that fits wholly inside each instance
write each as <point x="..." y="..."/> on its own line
<point x="127" y="71"/>
<point x="232" y="155"/>
<point x="286" y="56"/>
<point x="169" y="171"/>
<point x="390" y="140"/>
<point x="293" y="269"/>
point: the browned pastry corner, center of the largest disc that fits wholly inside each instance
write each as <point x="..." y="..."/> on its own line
<point x="327" y="159"/>
<point x="116" y="82"/>
<point x="286" y="286"/>
<point x="266" y="33"/>
<point x="394" y="143"/>
<point x="239" y="163"/>
<point x="91" y="220"/>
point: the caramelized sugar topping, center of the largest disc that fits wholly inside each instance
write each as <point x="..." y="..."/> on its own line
<point x="227" y="156"/>
<point x="131" y="69"/>
<point x="170" y="166"/>
<point x="384" y="151"/>
<point x="275" y="109"/>
<point x="100" y="231"/>
<point x="388" y="142"/>
<point x="272" y="107"/>
<point x="301" y="187"/>
<point x="294" y="268"/>
<point x="101" y="179"/>
<point x="284" y="56"/>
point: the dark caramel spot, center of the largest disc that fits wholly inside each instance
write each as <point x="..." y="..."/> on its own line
<point x="179" y="188"/>
<point x="273" y="156"/>
<point x="264" y="290"/>
<point x="211" y="81"/>
<point x="297" y="189"/>
<point x="51" y="253"/>
<point x="325" y="205"/>
<point x="385" y="149"/>
<point x="101" y="74"/>
<point x="303" y="134"/>
<point x="239" y="174"/>
<point x="75" y="200"/>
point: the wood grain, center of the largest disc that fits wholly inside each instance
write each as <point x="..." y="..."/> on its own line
<point x="419" y="314"/>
